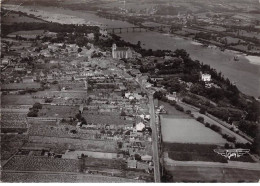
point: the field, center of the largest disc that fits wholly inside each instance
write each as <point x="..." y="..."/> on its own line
<point x="10" y="143"/>
<point x="208" y="174"/>
<point x="63" y="144"/>
<point x="61" y="178"/>
<point x="20" y="86"/>
<point x="60" y="131"/>
<point x="31" y="163"/>
<point x="192" y="152"/>
<point x="58" y="111"/>
<point x="19" y="100"/>
<point x="198" y="152"/>
<point x="111" y="119"/>
<point x="188" y="130"/>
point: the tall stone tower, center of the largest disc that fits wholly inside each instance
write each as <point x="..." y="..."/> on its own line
<point x="113" y="50"/>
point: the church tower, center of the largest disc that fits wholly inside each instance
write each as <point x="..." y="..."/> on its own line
<point x="113" y="50"/>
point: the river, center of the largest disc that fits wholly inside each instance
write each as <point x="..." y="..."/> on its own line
<point x="245" y="72"/>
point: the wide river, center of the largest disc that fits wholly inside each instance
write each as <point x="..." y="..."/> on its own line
<point x="245" y="72"/>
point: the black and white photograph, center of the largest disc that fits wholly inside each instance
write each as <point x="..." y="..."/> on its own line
<point x="130" y="91"/>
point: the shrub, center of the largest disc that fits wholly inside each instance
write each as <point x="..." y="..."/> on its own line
<point x="138" y="157"/>
<point x="202" y="111"/>
<point x="37" y="105"/>
<point x="32" y="113"/>
<point x="188" y="112"/>
<point x="200" y="119"/>
<point x="207" y="124"/>
<point x="48" y="100"/>
<point x="215" y="128"/>
<point x="227" y="146"/>
<point x="179" y="108"/>
<point x="231" y="139"/>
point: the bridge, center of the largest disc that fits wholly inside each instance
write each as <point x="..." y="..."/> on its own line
<point x="137" y="29"/>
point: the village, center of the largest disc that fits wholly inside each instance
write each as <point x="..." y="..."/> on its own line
<point x="85" y="106"/>
<point x="67" y="105"/>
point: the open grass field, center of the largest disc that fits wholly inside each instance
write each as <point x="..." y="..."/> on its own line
<point x="187" y="130"/>
<point x="208" y="174"/>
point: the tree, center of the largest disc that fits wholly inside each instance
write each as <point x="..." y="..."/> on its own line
<point x="138" y="157"/>
<point x="123" y="113"/>
<point x="202" y="111"/>
<point x="200" y="119"/>
<point x="79" y="50"/>
<point x="32" y="113"/>
<point x="120" y="144"/>
<point x="139" y="44"/>
<point x="158" y="95"/>
<point x="37" y="105"/>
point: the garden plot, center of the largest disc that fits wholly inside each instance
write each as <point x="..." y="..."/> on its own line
<point x="77" y="144"/>
<point x="58" y="111"/>
<point x="19" y="100"/>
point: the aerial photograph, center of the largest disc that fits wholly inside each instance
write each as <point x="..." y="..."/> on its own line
<point x="130" y="91"/>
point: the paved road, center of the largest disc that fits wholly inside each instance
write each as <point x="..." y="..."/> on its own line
<point x="156" y="160"/>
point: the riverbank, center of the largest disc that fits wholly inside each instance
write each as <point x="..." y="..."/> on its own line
<point x="245" y="72"/>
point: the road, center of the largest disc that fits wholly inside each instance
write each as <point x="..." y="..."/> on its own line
<point x="156" y="160"/>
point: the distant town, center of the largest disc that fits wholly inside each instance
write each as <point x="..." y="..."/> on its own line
<point x="81" y="104"/>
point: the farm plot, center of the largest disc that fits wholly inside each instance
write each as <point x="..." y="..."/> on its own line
<point x="76" y="144"/>
<point x="104" y="163"/>
<point x="33" y="163"/>
<point x="37" y="177"/>
<point x="58" y="111"/>
<point x="192" y="152"/>
<point x="20" y="86"/>
<point x="10" y="143"/>
<point x="110" y="119"/>
<point x="209" y="174"/>
<point x="188" y="130"/>
<point x="61" y="131"/>
<point x="13" y="120"/>
<point x="19" y="100"/>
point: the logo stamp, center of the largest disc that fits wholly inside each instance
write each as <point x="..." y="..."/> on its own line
<point x="228" y="153"/>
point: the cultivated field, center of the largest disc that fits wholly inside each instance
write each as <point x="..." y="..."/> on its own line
<point x="77" y="144"/>
<point x="105" y="119"/>
<point x="208" y="174"/>
<point x="58" y="111"/>
<point x="37" y="177"/>
<point x="71" y="178"/>
<point x="19" y="100"/>
<point x="32" y="163"/>
<point x="188" y="130"/>
<point x="20" y="86"/>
